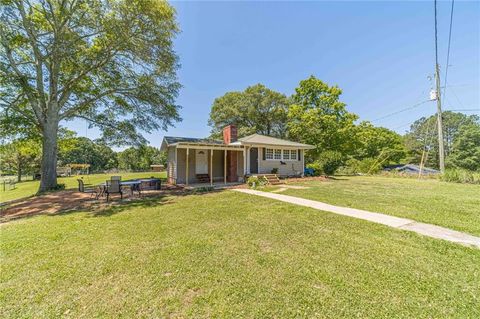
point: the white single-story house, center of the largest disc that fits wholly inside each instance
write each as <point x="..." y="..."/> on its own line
<point x="197" y="160"/>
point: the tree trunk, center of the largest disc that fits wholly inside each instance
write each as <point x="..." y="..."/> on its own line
<point x="49" y="155"/>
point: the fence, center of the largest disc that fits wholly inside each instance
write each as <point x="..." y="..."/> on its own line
<point x="8" y="184"/>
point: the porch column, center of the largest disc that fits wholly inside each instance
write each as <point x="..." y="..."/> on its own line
<point x="175" y="168"/>
<point x="302" y="154"/>
<point x="186" y="167"/>
<point x="244" y="161"/>
<point x="211" y="167"/>
<point x="225" y="166"/>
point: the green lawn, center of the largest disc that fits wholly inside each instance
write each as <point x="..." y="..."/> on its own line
<point x="226" y="254"/>
<point x="451" y="205"/>
<point x="29" y="188"/>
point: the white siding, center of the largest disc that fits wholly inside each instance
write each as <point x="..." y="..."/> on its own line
<point x="290" y="168"/>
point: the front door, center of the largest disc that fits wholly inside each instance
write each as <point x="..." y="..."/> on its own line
<point x="201" y="162"/>
<point x="254" y="160"/>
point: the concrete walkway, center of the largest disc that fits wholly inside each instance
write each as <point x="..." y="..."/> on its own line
<point x="392" y="221"/>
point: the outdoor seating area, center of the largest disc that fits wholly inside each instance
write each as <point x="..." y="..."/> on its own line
<point x="115" y="186"/>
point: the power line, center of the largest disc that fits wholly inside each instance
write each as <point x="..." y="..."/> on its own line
<point x="400" y="111"/>
<point x="448" y="50"/>
<point x="456" y="96"/>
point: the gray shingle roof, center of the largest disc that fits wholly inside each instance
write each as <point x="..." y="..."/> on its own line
<point x="268" y="140"/>
<point x="255" y="139"/>
<point x="172" y="140"/>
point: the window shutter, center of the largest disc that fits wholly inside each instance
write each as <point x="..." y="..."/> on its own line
<point x="263" y="153"/>
<point x="299" y="153"/>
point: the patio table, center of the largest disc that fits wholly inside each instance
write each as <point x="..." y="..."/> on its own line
<point x="133" y="185"/>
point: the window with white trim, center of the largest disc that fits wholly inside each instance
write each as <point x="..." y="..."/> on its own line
<point x="272" y="154"/>
<point x="293" y="155"/>
<point x="278" y="154"/>
<point x="269" y="154"/>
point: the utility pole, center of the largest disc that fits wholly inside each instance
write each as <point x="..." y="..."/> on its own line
<point x="441" y="150"/>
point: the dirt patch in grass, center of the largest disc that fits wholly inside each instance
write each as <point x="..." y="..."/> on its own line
<point x="64" y="201"/>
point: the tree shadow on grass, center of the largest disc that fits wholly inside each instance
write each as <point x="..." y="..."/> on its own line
<point x="70" y="202"/>
<point x="340" y="177"/>
<point x="167" y="198"/>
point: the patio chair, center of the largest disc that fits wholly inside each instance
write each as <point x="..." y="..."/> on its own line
<point x="113" y="187"/>
<point x="83" y="189"/>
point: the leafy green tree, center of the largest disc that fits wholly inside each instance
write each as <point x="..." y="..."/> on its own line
<point x="423" y="135"/>
<point x="318" y="117"/>
<point x="466" y="148"/>
<point x="111" y="62"/>
<point x="139" y="158"/>
<point x="379" y="142"/>
<point x="85" y="151"/>
<point x="255" y="110"/>
<point x="20" y="157"/>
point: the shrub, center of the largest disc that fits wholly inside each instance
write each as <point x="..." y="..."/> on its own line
<point x="274" y="170"/>
<point x="461" y="176"/>
<point x="330" y="161"/>
<point x="254" y="181"/>
<point x="315" y="166"/>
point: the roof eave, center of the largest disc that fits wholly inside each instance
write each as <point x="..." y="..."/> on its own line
<point x="301" y="146"/>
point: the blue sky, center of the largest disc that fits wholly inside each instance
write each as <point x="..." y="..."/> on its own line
<point x="379" y="53"/>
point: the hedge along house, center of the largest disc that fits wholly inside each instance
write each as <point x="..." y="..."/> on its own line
<point x="196" y="160"/>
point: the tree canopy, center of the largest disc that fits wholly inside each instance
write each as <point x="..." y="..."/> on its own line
<point x="140" y="158"/>
<point x="423" y="135"/>
<point x="109" y="62"/>
<point x="466" y="148"/>
<point x="318" y="117"/>
<point x="374" y="141"/>
<point x="257" y="109"/>
<point x="82" y="150"/>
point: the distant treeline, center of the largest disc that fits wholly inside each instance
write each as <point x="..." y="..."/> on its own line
<point x="22" y="157"/>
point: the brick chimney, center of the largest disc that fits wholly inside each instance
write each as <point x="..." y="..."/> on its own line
<point x="230" y="134"/>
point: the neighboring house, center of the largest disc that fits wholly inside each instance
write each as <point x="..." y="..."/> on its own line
<point x="195" y="160"/>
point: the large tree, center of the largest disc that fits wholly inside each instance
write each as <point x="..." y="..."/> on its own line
<point x="318" y="117"/>
<point x="466" y="148"/>
<point x="111" y="62"/>
<point x="140" y="158"/>
<point x="378" y="143"/>
<point x="99" y="156"/>
<point x="257" y="109"/>
<point x="423" y="135"/>
<point x="20" y="157"/>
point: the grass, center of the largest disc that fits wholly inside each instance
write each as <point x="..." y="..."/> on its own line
<point x="452" y="205"/>
<point x="29" y="188"/>
<point x="229" y="255"/>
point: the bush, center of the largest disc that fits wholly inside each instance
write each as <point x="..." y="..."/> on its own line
<point x="330" y="161"/>
<point x="254" y="181"/>
<point x="461" y="176"/>
<point x="274" y="170"/>
<point x="315" y="166"/>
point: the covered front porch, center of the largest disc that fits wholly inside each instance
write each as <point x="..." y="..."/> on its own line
<point x="212" y="165"/>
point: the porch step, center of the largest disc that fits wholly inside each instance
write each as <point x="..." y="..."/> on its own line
<point x="271" y="179"/>
<point x="203" y="178"/>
